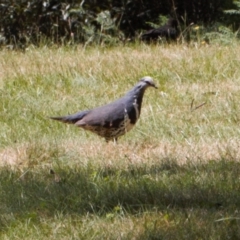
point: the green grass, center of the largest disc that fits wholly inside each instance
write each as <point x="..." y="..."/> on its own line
<point x="162" y="200"/>
<point x="174" y="176"/>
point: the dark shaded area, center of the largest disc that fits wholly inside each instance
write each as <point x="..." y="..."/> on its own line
<point x="33" y="22"/>
<point x="89" y="189"/>
<point x="189" y="194"/>
<point x="169" y="31"/>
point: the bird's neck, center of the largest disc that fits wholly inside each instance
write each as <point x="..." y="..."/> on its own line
<point x="137" y="98"/>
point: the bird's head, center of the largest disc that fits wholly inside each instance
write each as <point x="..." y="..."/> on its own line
<point x="146" y="82"/>
<point x="141" y="86"/>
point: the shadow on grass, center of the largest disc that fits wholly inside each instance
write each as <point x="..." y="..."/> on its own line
<point x="211" y="186"/>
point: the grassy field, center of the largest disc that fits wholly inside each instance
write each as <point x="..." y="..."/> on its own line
<point x="176" y="175"/>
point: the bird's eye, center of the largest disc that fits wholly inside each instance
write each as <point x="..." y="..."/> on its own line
<point x="148" y="83"/>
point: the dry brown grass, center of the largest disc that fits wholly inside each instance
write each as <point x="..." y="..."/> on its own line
<point x="122" y="155"/>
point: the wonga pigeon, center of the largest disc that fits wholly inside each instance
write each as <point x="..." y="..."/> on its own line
<point x="114" y="119"/>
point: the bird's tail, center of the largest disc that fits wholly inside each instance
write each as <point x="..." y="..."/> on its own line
<point x="73" y="118"/>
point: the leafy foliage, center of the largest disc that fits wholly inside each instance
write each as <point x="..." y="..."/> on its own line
<point x="68" y="21"/>
<point x="234" y="11"/>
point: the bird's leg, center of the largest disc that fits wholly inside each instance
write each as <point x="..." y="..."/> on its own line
<point x="114" y="140"/>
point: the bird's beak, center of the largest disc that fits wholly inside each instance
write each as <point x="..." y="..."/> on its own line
<point x="153" y="85"/>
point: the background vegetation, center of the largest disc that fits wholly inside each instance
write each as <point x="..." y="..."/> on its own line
<point x="108" y="21"/>
<point x="174" y="176"/>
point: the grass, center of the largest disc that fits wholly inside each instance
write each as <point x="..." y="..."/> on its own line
<point x="174" y="176"/>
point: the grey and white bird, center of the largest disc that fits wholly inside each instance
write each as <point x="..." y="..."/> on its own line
<point x="114" y="119"/>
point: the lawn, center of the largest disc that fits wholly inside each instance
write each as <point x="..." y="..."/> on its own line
<point x="175" y="175"/>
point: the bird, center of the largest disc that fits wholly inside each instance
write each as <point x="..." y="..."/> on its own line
<point x="169" y="31"/>
<point x="112" y="120"/>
